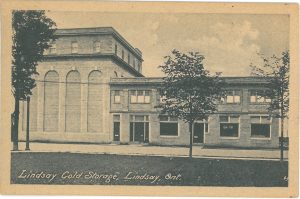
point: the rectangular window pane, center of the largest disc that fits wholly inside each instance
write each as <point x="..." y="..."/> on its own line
<point x="237" y="99"/>
<point x="173" y="118"/>
<point x="116" y="118"/>
<point x="131" y="118"/>
<point x="253" y="99"/>
<point x="260" y="99"/>
<point x="255" y="119"/>
<point x="140" y="99"/>
<point x="97" y="46"/>
<point x="147" y="99"/>
<point x="133" y="99"/>
<point x="224" y="119"/>
<point x="237" y="93"/>
<point x="163" y="118"/>
<point x="140" y="93"/>
<point x="268" y="100"/>
<point x="147" y="96"/>
<point x="74" y="47"/>
<point x="229" y="99"/>
<point x="131" y="131"/>
<point x="265" y="119"/>
<point x="229" y="130"/>
<point x="139" y="118"/>
<point x="117" y="99"/>
<point x="169" y="129"/>
<point x="234" y="118"/>
<point x="260" y="130"/>
<point x="206" y="127"/>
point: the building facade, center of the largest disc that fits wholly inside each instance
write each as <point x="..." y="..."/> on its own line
<point x="90" y="88"/>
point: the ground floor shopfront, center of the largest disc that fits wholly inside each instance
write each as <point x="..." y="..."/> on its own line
<point x="221" y="130"/>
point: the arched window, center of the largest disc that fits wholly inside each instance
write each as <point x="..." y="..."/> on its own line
<point x="73" y="102"/>
<point x="95" y="102"/>
<point x="51" y="101"/>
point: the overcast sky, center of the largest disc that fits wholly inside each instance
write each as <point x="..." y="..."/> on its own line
<point x="228" y="42"/>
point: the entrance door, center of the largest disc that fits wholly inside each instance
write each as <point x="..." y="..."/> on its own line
<point x="198" y="133"/>
<point x="139" y="132"/>
<point x="116" y="131"/>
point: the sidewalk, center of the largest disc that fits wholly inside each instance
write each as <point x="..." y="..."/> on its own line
<point x="198" y="151"/>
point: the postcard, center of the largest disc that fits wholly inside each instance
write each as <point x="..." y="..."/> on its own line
<point x="149" y="98"/>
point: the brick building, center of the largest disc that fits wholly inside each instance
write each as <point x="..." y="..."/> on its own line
<point x="90" y="88"/>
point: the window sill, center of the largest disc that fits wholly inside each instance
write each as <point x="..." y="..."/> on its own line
<point x="230" y="103"/>
<point x="258" y="138"/>
<point x="169" y="136"/>
<point x="140" y="103"/>
<point x="259" y="103"/>
<point x="229" y="138"/>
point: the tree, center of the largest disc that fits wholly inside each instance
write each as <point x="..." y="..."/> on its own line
<point x="189" y="92"/>
<point x="276" y="70"/>
<point x="32" y="31"/>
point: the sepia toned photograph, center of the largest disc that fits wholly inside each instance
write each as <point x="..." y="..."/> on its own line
<point x="152" y="99"/>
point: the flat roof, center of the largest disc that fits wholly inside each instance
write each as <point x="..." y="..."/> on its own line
<point x="99" y="31"/>
<point x="159" y="80"/>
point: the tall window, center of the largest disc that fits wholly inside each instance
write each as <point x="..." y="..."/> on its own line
<point x="232" y="97"/>
<point x="128" y="58"/>
<point x="52" y="49"/>
<point x="139" y="67"/>
<point x="140" y="96"/>
<point x="260" y="126"/>
<point x="123" y="54"/>
<point x="134" y="63"/>
<point x="117" y="97"/>
<point x="73" y="102"/>
<point x="168" y="125"/>
<point x="97" y="46"/>
<point x="229" y="126"/>
<point x="139" y="128"/>
<point x="74" y="47"/>
<point x="259" y="96"/>
<point x="51" y="101"/>
<point x="116" y="49"/>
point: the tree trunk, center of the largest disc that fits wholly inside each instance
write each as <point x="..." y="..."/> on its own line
<point x="191" y="140"/>
<point x="281" y="139"/>
<point x="282" y="126"/>
<point x="16" y="123"/>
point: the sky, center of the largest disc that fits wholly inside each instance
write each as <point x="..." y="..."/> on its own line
<point x="229" y="42"/>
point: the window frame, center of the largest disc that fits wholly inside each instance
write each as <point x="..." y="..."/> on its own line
<point x="145" y="121"/>
<point x="169" y="121"/>
<point x="256" y="97"/>
<point x="260" y="122"/>
<point x="206" y="124"/>
<point x="225" y="101"/>
<point x="73" y="51"/>
<point x="137" y="99"/>
<point x="51" y="48"/>
<point x="114" y="96"/>
<point x="95" y="47"/>
<point x="230" y="122"/>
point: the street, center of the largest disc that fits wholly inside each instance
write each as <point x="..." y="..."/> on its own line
<point x="109" y="169"/>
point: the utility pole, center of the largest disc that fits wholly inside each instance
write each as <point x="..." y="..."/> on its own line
<point x="27" y="124"/>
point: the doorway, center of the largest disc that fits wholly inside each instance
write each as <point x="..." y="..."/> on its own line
<point x="198" y="136"/>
